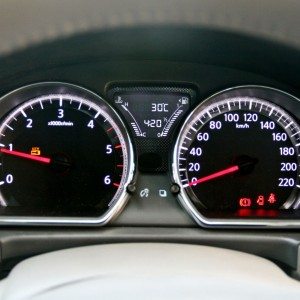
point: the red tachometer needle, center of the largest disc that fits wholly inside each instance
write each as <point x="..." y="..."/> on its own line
<point x="40" y="159"/>
<point x="224" y="172"/>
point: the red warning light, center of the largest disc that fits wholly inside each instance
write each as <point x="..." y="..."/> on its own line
<point x="272" y="198"/>
<point x="260" y="200"/>
<point x="245" y="202"/>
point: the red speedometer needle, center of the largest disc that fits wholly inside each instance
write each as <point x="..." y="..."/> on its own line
<point x="224" y="172"/>
<point x="44" y="160"/>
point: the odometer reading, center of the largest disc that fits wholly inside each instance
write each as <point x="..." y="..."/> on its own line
<point x="152" y="114"/>
<point x="239" y="153"/>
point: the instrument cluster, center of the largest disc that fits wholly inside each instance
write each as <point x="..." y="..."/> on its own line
<point x="67" y="156"/>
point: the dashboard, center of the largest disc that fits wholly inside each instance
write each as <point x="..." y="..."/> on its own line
<point x="171" y="132"/>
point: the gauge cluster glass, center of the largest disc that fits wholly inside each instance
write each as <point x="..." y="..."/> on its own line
<point x="67" y="156"/>
<point x="237" y="156"/>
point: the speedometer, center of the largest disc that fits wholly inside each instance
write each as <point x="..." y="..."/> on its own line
<point x="238" y="153"/>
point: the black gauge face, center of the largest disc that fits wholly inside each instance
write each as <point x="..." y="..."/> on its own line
<point x="61" y="155"/>
<point x="239" y="153"/>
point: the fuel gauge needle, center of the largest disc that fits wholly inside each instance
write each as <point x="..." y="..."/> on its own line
<point x="44" y="160"/>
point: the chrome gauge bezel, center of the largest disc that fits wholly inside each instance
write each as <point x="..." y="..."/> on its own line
<point x="24" y="94"/>
<point x="284" y="100"/>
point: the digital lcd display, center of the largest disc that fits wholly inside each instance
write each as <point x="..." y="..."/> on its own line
<point x="152" y="114"/>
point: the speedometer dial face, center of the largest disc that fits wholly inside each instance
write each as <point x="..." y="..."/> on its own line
<point x="63" y="154"/>
<point x="238" y="151"/>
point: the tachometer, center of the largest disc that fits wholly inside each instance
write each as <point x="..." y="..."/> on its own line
<point x="64" y="153"/>
<point x="238" y="153"/>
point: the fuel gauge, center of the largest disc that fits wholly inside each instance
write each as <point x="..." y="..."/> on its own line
<point x="152" y="114"/>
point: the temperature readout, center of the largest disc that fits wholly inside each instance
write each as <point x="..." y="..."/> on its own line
<point x="152" y="114"/>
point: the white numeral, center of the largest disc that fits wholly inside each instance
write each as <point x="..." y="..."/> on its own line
<point x="286" y="182"/>
<point x="60" y="113"/>
<point x="194" y="167"/>
<point x="108" y="149"/>
<point x="250" y="117"/>
<point x="91" y="124"/>
<point x="215" y="125"/>
<point x="231" y="117"/>
<point x="203" y="136"/>
<point x="270" y="125"/>
<point x="196" y="151"/>
<point x="287" y="167"/>
<point x="287" y="151"/>
<point x="278" y="137"/>
<point x="9" y="178"/>
<point x="107" y="180"/>
<point x="29" y="123"/>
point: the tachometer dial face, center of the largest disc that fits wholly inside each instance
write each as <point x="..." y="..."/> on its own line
<point x="238" y="152"/>
<point x="63" y="154"/>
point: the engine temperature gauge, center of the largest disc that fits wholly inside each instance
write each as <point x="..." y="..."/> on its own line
<point x="152" y="112"/>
